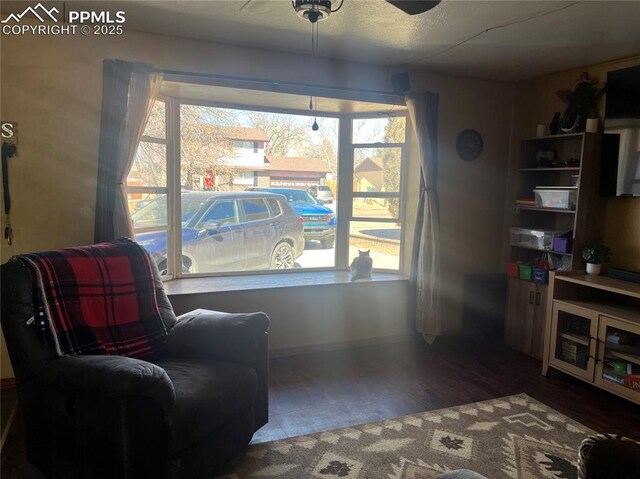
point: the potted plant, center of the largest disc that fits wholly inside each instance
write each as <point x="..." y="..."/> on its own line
<point x="595" y="256"/>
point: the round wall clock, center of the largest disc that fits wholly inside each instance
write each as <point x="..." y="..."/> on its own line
<point x="469" y="145"/>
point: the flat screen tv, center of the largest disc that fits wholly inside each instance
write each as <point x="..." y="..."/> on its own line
<point x="620" y="167"/>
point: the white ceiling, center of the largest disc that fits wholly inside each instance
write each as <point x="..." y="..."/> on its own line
<point x="538" y="37"/>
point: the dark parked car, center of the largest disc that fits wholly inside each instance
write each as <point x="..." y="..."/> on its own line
<point x="226" y="231"/>
<point x="319" y="221"/>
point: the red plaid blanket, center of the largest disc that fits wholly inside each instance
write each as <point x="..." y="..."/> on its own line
<point x="98" y="299"/>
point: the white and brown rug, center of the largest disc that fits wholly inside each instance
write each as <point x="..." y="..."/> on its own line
<point x="512" y="437"/>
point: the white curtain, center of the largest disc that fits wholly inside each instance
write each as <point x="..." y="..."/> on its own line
<point x="143" y="91"/>
<point x="425" y="272"/>
<point x="129" y="91"/>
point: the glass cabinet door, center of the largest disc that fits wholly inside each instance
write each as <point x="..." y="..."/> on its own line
<point x="573" y="341"/>
<point x="618" y="366"/>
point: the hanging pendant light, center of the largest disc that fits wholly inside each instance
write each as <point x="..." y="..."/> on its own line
<point x="315" y="126"/>
<point x="313" y="105"/>
<point x="314" y="11"/>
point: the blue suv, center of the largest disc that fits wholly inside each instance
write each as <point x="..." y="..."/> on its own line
<point x="318" y="220"/>
<point x="233" y="231"/>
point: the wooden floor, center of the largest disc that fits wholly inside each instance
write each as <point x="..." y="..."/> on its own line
<point x="322" y="391"/>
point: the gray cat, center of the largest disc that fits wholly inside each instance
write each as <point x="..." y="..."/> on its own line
<point x="361" y="266"/>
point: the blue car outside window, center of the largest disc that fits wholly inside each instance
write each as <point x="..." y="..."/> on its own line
<point x="155" y="212"/>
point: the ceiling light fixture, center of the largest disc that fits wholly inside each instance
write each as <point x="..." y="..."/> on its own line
<point x="314" y="11"/>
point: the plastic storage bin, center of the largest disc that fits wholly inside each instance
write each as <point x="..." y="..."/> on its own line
<point x="540" y="276"/>
<point x="562" y="244"/>
<point x="512" y="269"/>
<point x="536" y="239"/>
<point x="526" y="271"/>
<point x="563" y="199"/>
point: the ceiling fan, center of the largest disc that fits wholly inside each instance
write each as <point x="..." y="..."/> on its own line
<point x="317" y="10"/>
<point x="414" y="7"/>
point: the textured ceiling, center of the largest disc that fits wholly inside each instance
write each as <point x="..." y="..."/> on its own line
<point x="521" y="39"/>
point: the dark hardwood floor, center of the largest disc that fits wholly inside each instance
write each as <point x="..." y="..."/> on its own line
<point x="322" y="391"/>
<point x="316" y="392"/>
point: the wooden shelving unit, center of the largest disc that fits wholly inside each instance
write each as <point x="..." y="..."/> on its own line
<point x="575" y="154"/>
<point x="548" y="210"/>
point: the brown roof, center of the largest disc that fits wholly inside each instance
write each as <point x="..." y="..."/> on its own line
<point x="297" y="163"/>
<point x="370" y="164"/>
<point x="242" y="133"/>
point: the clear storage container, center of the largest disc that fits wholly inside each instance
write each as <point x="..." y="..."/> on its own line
<point x="559" y="198"/>
<point x="536" y="239"/>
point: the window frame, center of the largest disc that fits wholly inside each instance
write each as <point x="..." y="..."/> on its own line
<point x="344" y="208"/>
<point x="159" y="190"/>
<point x="400" y="194"/>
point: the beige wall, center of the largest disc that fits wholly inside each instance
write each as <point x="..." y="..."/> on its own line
<point x="306" y="317"/>
<point x="52" y="87"/>
<point x="471" y="193"/>
<point x="536" y="101"/>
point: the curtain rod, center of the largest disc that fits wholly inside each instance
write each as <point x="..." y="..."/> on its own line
<point x="374" y="96"/>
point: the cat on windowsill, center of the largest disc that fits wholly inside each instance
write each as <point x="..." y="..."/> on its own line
<point x="361" y="266"/>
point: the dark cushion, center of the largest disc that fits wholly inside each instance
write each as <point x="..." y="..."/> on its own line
<point x="114" y="377"/>
<point x="28" y="353"/>
<point x="215" y="335"/>
<point x="608" y="456"/>
<point x="207" y="396"/>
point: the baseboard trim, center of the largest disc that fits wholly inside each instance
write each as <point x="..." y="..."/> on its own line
<point x="7" y="383"/>
<point x="358" y="343"/>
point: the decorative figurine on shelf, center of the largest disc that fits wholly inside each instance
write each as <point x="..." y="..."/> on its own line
<point x="361" y="266"/>
<point x="582" y="103"/>
<point x="554" y="126"/>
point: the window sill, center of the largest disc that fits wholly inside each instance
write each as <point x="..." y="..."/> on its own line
<point x="220" y="284"/>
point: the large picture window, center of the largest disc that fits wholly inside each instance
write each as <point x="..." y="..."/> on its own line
<point x="219" y="190"/>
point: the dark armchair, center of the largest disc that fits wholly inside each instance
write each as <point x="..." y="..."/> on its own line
<point x="183" y="416"/>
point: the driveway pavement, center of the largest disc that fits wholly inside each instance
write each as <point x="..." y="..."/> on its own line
<point x="383" y="239"/>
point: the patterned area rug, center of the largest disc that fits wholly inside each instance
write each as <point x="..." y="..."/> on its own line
<point x="512" y="437"/>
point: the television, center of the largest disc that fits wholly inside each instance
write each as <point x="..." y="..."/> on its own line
<point x="620" y="159"/>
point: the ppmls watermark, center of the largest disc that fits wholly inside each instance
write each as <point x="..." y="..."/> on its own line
<point x="84" y="22"/>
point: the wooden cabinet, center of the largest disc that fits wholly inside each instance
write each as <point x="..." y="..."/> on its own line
<point x="556" y="163"/>
<point x="524" y="319"/>
<point x="537" y="326"/>
<point x="592" y="331"/>
<point x="572" y="345"/>
<point x="604" y="377"/>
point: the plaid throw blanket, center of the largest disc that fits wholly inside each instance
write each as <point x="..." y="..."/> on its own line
<point x="98" y="299"/>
